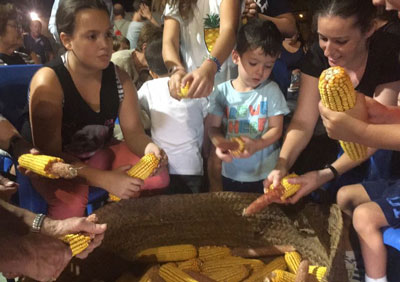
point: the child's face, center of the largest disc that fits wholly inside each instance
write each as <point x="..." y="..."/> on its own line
<point x="254" y="66"/>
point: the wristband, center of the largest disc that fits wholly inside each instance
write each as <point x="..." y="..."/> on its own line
<point x="333" y="170"/>
<point x="211" y="58"/>
<point x="37" y="223"/>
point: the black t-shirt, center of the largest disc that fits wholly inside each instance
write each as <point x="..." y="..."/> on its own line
<point x="273" y="8"/>
<point x="14" y="59"/>
<point x="84" y="131"/>
<point x="382" y="65"/>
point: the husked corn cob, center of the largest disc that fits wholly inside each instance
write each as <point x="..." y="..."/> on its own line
<point x="40" y="164"/>
<point x="77" y="242"/>
<point x="289" y="189"/>
<point x="230" y="262"/>
<point x="293" y="260"/>
<point x="282" y="276"/>
<point x="232" y="274"/>
<point x="272" y="194"/>
<point x="142" y="170"/>
<point x="191" y="264"/>
<point x="261" y="274"/>
<point x="239" y="150"/>
<point x="213" y="252"/>
<point x="170" y="273"/>
<point x="169" y="253"/>
<point x="184" y="90"/>
<point x="337" y="93"/>
<point x="317" y="271"/>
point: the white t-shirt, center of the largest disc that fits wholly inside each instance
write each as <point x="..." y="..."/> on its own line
<point x="176" y="126"/>
<point x="192" y="44"/>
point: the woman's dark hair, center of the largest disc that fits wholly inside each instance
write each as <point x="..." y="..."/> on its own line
<point x="7" y="12"/>
<point x="259" y="34"/>
<point x="364" y="11"/>
<point x="153" y="55"/>
<point x="67" y="10"/>
<point x="136" y="4"/>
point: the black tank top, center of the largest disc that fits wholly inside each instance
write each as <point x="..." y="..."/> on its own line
<point x="84" y="131"/>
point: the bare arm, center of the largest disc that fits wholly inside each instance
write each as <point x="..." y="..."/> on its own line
<point x="274" y="132"/>
<point x="286" y="23"/>
<point x="202" y="79"/>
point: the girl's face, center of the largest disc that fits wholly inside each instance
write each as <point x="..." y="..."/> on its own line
<point x="12" y="37"/>
<point x="91" y="41"/>
<point x="341" y="40"/>
<point x="390" y="4"/>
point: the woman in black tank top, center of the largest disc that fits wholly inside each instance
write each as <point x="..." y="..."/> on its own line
<point x="74" y="103"/>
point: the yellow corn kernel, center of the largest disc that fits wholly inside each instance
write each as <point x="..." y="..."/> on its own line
<point x="191" y="264"/>
<point x="142" y="170"/>
<point x="39" y="164"/>
<point x="290" y="189"/>
<point x="170" y="273"/>
<point x="337" y="93"/>
<point x="184" y="90"/>
<point x="231" y="274"/>
<point x="317" y="271"/>
<point x="211" y="266"/>
<point x="293" y="260"/>
<point x="169" y="253"/>
<point x="261" y="274"/>
<point x="213" y="252"/>
<point x="282" y="276"/>
<point x="77" y="242"/>
<point x="240" y="150"/>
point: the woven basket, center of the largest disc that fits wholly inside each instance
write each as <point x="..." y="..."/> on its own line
<point x="212" y="219"/>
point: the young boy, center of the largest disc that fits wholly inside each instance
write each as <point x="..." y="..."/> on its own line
<point x="176" y="126"/>
<point x="253" y="107"/>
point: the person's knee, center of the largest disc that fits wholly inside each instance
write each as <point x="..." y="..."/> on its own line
<point x="362" y="220"/>
<point x="345" y="199"/>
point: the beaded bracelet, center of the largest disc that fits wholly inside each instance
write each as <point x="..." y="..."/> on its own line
<point x="211" y="58"/>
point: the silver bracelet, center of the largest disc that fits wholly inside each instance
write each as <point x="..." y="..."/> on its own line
<point x="37" y="223"/>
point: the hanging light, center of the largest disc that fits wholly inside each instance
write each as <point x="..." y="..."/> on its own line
<point x="34" y="16"/>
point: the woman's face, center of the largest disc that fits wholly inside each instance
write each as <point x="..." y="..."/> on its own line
<point x="12" y="37"/>
<point x="341" y="40"/>
<point x="91" y="41"/>
<point x="390" y="4"/>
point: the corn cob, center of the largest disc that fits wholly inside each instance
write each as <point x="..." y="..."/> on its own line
<point x="272" y="194"/>
<point x="293" y="260"/>
<point x="170" y="273"/>
<point x="240" y="150"/>
<point x="213" y="252"/>
<point x="184" y="90"/>
<point x="261" y="274"/>
<point x="169" y="253"/>
<point x="198" y="276"/>
<point x="151" y="275"/>
<point x="317" y="271"/>
<point x="272" y="250"/>
<point x="142" y="170"/>
<point x="234" y="273"/>
<point x="191" y="264"/>
<point x="337" y="93"/>
<point x="230" y="262"/>
<point x="282" y="276"/>
<point x="47" y="166"/>
<point x="77" y="242"/>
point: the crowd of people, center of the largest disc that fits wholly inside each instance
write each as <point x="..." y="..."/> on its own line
<point x="115" y="94"/>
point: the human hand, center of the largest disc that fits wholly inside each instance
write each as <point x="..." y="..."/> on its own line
<point x="159" y="153"/>
<point x="44" y="258"/>
<point x="175" y="83"/>
<point x="345" y="125"/>
<point x="201" y="80"/>
<point x="120" y="184"/>
<point x="85" y="225"/>
<point x="28" y="172"/>
<point x="309" y="182"/>
<point x="249" y="148"/>
<point x="275" y="176"/>
<point x="223" y="155"/>
<point x="145" y="11"/>
<point x="250" y="9"/>
<point x="7" y="188"/>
